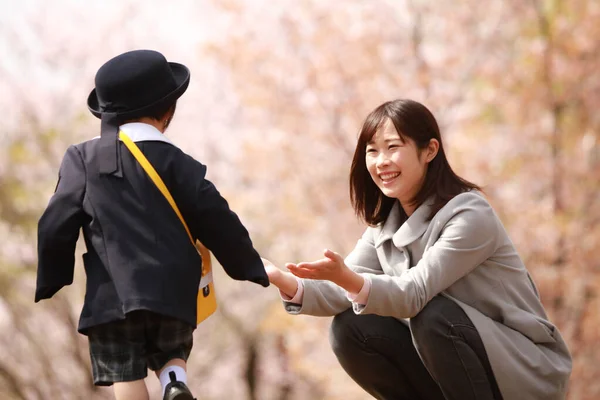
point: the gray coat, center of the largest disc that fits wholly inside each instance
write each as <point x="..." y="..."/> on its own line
<point x="465" y="254"/>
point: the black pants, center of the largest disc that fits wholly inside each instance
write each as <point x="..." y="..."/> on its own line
<point x="378" y="353"/>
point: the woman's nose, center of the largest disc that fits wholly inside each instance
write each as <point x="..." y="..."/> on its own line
<point x="382" y="159"/>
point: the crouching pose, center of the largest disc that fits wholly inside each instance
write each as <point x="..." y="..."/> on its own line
<point x="433" y="302"/>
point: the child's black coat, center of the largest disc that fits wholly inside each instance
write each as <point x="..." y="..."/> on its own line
<point x="138" y="253"/>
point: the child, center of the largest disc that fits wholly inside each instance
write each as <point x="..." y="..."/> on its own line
<point x="142" y="271"/>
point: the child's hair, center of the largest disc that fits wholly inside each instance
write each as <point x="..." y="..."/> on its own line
<point x="159" y="113"/>
<point x="156" y="113"/>
<point x="413" y="121"/>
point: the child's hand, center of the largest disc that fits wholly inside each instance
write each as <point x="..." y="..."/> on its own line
<point x="274" y="273"/>
<point x="284" y="281"/>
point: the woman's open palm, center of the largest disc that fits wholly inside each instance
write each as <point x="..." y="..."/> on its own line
<point x="330" y="268"/>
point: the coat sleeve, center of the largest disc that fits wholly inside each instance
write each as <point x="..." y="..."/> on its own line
<point x="58" y="228"/>
<point x="467" y="239"/>
<point x="324" y="298"/>
<point x="218" y="227"/>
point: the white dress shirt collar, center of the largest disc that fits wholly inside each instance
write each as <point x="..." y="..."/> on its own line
<point x="140" y="132"/>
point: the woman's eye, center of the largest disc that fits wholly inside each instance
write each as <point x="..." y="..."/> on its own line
<point x="370" y="151"/>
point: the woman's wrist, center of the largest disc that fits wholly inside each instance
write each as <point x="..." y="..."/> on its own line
<point x="350" y="281"/>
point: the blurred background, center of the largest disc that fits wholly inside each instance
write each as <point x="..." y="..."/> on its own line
<point x="278" y="93"/>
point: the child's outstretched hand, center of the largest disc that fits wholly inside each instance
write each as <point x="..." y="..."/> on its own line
<point x="285" y="281"/>
<point x="273" y="272"/>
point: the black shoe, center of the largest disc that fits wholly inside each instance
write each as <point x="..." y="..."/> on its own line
<point x="177" y="390"/>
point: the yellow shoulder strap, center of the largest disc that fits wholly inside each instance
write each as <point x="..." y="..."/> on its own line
<point x="155" y="177"/>
<point x="206" y="301"/>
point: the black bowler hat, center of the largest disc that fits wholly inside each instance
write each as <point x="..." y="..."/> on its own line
<point x="132" y="85"/>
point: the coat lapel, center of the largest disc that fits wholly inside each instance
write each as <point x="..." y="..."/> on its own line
<point x="406" y="233"/>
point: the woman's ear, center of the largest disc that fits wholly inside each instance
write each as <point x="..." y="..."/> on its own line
<point x="432" y="150"/>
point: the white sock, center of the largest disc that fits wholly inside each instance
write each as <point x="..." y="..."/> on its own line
<point x="165" y="379"/>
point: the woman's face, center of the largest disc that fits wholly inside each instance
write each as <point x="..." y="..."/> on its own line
<point x="396" y="166"/>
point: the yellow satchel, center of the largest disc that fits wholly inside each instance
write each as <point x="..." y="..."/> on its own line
<point x="207" y="301"/>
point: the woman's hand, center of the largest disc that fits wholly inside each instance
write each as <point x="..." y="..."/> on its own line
<point x="331" y="268"/>
<point x="284" y="281"/>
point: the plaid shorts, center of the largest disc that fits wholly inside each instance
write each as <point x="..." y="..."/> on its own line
<point x="122" y="351"/>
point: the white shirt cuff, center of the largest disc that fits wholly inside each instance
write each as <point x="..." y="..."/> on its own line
<point x="363" y="296"/>
<point x="298" y="297"/>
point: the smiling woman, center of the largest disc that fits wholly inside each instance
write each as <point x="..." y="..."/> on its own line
<point x="401" y="136"/>
<point x="434" y="301"/>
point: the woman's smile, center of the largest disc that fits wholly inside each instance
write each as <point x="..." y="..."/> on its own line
<point x="388" y="177"/>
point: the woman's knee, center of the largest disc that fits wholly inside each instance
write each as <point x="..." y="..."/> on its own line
<point x="432" y="320"/>
<point x="369" y="333"/>
<point x="344" y="332"/>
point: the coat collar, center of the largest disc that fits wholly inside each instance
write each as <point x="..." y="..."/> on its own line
<point x="406" y="233"/>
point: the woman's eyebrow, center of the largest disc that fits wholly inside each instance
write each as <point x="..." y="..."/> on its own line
<point x="372" y="142"/>
<point x="399" y="139"/>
